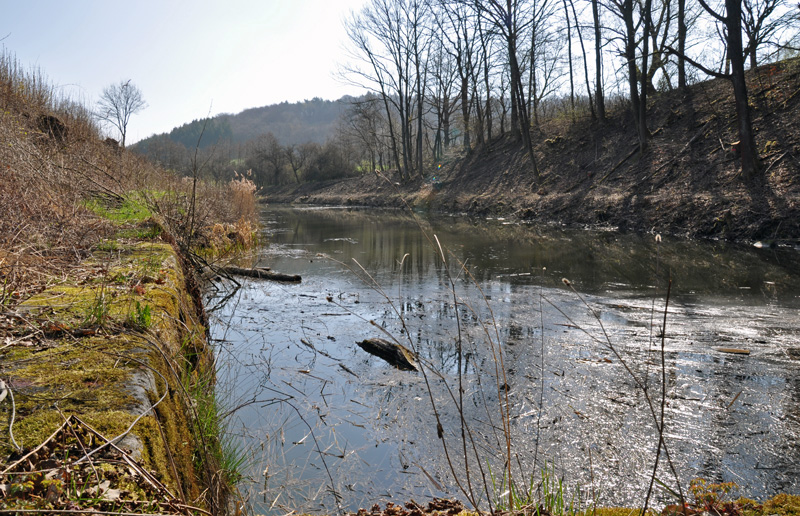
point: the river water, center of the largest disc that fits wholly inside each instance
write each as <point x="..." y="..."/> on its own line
<point x="570" y="371"/>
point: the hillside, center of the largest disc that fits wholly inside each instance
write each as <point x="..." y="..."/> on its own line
<point x="687" y="183"/>
<point x="291" y="123"/>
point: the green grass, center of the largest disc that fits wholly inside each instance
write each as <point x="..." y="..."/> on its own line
<point x="221" y="446"/>
<point x="143" y="232"/>
<point x="141" y="316"/>
<point x="549" y="495"/>
<point x="131" y="210"/>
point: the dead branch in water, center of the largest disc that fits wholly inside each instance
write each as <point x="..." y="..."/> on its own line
<point x="258" y="272"/>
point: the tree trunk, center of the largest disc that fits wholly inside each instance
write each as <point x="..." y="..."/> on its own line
<point x="465" y="107"/>
<point x="630" y="57"/>
<point x="420" y="88"/>
<point x="643" y="133"/>
<point x="585" y="64"/>
<point x="392" y="137"/>
<point x="446" y="121"/>
<point x="525" y="126"/>
<point x="681" y="44"/>
<point x="598" y="58"/>
<point x="488" y="110"/>
<point x="515" y="132"/>
<point x="569" y="58"/>
<point x="747" y="145"/>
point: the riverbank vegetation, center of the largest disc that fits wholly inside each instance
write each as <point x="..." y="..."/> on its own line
<point x="688" y="182"/>
<point x="102" y="330"/>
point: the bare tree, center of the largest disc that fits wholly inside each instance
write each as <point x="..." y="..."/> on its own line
<point x="762" y="20"/>
<point x="545" y="72"/>
<point x="598" y="65"/>
<point x="117" y="104"/>
<point x="636" y="20"/>
<point x="364" y="123"/>
<point x="390" y="40"/>
<point x="455" y="25"/>
<point x="506" y="19"/>
<point x="682" y="44"/>
<point x="267" y="158"/>
<point x="441" y="90"/>
<point x="296" y="155"/>
<point x="586" y="76"/>
<point x="732" y="21"/>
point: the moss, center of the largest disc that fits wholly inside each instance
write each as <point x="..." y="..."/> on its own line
<point x="779" y="505"/>
<point x="90" y="373"/>
<point x="615" y="511"/>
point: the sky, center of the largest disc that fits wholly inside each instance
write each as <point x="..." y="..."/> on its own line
<point x="189" y="58"/>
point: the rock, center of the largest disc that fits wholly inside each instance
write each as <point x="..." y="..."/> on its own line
<point x="397" y="355"/>
<point x="53" y="127"/>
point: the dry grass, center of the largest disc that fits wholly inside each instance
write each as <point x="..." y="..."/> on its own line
<point x="244" y="196"/>
<point x="54" y="160"/>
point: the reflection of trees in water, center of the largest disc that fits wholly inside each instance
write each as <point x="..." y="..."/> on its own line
<point x="589" y="403"/>
<point x="594" y="261"/>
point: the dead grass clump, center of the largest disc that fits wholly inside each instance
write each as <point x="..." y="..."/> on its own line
<point x="54" y="162"/>
<point x="243" y="190"/>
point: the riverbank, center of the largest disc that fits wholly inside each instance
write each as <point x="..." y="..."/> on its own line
<point x="107" y="399"/>
<point x="111" y="362"/>
<point x="688" y="183"/>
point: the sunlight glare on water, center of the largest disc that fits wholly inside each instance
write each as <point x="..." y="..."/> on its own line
<point x="323" y="422"/>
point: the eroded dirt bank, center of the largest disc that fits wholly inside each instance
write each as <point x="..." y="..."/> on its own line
<point x="688" y="183"/>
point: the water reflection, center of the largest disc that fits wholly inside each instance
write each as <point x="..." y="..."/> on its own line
<point x="325" y="422"/>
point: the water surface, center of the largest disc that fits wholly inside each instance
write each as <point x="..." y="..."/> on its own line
<point x="323" y="422"/>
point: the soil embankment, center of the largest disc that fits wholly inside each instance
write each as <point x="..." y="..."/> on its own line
<point x="687" y="183"/>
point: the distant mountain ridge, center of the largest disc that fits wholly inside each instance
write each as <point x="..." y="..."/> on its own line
<point x="312" y="120"/>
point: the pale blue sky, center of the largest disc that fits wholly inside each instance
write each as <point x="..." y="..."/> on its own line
<point x="186" y="56"/>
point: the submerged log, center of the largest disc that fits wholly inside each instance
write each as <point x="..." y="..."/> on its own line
<point x="735" y="351"/>
<point x="260" y="272"/>
<point x="396" y="354"/>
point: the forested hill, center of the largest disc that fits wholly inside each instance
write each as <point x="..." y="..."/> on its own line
<point x="292" y="123"/>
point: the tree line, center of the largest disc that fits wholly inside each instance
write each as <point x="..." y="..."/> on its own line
<point x="461" y="72"/>
<point x="265" y="159"/>
<point x="447" y="76"/>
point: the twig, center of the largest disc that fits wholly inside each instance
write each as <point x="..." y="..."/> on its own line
<point x="6" y="388"/>
<point x="83" y="511"/>
<point x="77" y="439"/>
<point x="663" y="403"/>
<point x="775" y="161"/>
<point x="618" y="356"/>
<point x="459" y="352"/>
<point x="336" y="496"/>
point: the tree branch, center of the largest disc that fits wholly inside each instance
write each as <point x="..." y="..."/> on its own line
<point x="697" y="65"/>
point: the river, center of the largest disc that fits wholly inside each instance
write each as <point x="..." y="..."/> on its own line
<point x="571" y="371"/>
